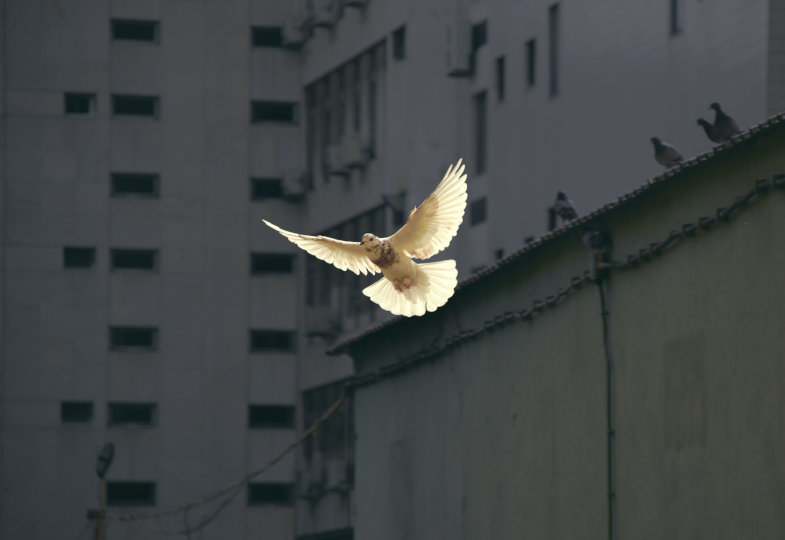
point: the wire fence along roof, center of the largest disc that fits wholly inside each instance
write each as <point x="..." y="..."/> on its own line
<point x="735" y="141"/>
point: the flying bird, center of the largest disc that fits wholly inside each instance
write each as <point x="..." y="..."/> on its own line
<point x="664" y="153"/>
<point x="724" y="126"/>
<point x="407" y="288"/>
<point x="708" y="128"/>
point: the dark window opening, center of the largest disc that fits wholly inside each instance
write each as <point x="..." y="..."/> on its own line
<point x="76" y="411"/>
<point x="138" y="337"/>
<point x="477" y="212"/>
<point x="531" y="62"/>
<point x="356" y="95"/>
<point x="266" y="36"/>
<point x="132" y="413"/>
<point x="126" y="105"/>
<point x="134" y="30"/>
<point x="134" y="259"/>
<point x="270" y="493"/>
<point x="479" y="35"/>
<point x="675" y="19"/>
<point x="141" y="184"/>
<point x="273" y="340"/>
<point x="130" y="493"/>
<point x="500" y="78"/>
<point x="399" y="43"/>
<point x="553" y="49"/>
<point x="79" y="103"/>
<point x="480" y="132"/>
<point x="272" y="263"/>
<point x="266" y="188"/>
<point x="78" y="257"/>
<point x="273" y="111"/>
<point x="271" y="416"/>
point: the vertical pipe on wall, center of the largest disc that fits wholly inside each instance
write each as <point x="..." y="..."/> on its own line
<point x="602" y="284"/>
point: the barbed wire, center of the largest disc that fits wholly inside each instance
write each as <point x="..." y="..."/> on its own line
<point x="645" y="255"/>
<point x="152" y="514"/>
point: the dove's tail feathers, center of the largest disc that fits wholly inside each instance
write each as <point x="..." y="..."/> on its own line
<point x="433" y="286"/>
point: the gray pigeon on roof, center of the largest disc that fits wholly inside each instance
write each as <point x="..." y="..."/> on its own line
<point x="724" y="126"/>
<point x="563" y="207"/>
<point x="665" y="154"/>
<point x="708" y="127"/>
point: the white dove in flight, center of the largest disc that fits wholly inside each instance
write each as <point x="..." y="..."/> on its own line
<point x="407" y="288"/>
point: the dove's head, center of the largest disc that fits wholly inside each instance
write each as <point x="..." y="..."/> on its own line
<point x="715" y="106"/>
<point x="370" y="242"/>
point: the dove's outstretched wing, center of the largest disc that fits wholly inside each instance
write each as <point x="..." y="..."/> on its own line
<point x="343" y="255"/>
<point x="430" y="227"/>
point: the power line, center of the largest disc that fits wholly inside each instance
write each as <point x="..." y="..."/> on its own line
<point x="135" y="516"/>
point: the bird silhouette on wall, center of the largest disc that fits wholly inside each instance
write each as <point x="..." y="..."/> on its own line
<point x="407" y="288"/>
<point x="724" y="126"/>
<point x="708" y="128"/>
<point x="562" y="208"/>
<point x="665" y="154"/>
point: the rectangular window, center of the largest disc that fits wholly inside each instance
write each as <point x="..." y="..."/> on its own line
<point x="553" y="49"/>
<point x="479" y="35"/>
<point x="271" y="416"/>
<point x="399" y="43"/>
<point x="356" y="95"/>
<point x="79" y="104"/>
<point x="78" y="257"/>
<point x="260" y="493"/>
<point x="266" y="188"/>
<point x="135" y="30"/>
<point x="272" y="263"/>
<point x="327" y="118"/>
<point x="480" y="132"/>
<point x="142" y="414"/>
<point x="266" y="36"/>
<point x="76" y="411"/>
<point x="372" y="88"/>
<point x="274" y="111"/>
<point x="477" y="212"/>
<point x="675" y="19"/>
<point x="531" y="62"/>
<point x="342" y="96"/>
<point x="134" y="259"/>
<point x="130" y="493"/>
<point x="127" y="105"/>
<point x="133" y="337"/>
<point x="311" y="114"/>
<point x="500" y="79"/>
<point x="273" y="340"/>
<point x="135" y="184"/>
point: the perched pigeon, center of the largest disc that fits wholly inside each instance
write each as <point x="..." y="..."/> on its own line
<point x="664" y="153"/>
<point x="407" y="288"/>
<point x="724" y="126"/>
<point x="708" y="127"/>
<point x="563" y="207"/>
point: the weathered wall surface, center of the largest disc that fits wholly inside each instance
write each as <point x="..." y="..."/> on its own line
<point x="505" y="434"/>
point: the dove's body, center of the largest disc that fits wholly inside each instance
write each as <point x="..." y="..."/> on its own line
<point x="407" y="288"/>
<point x="401" y="271"/>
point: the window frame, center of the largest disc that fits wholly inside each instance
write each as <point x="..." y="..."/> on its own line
<point x="114" y="23"/>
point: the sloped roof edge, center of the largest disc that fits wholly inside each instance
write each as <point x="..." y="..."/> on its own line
<point x="735" y="141"/>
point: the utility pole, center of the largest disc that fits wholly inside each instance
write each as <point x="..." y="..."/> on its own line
<point x="101" y="466"/>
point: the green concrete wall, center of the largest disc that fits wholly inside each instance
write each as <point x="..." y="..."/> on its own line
<point x="505" y="435"/>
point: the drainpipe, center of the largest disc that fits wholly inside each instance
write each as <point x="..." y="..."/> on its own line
<point x="600" y="243"/>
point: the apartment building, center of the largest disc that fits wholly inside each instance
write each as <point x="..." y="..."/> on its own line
<point x="144" y="303"/>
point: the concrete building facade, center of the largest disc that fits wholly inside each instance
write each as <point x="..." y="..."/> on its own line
<point x="143" y="302"/>
<point x="519" y="407"/>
